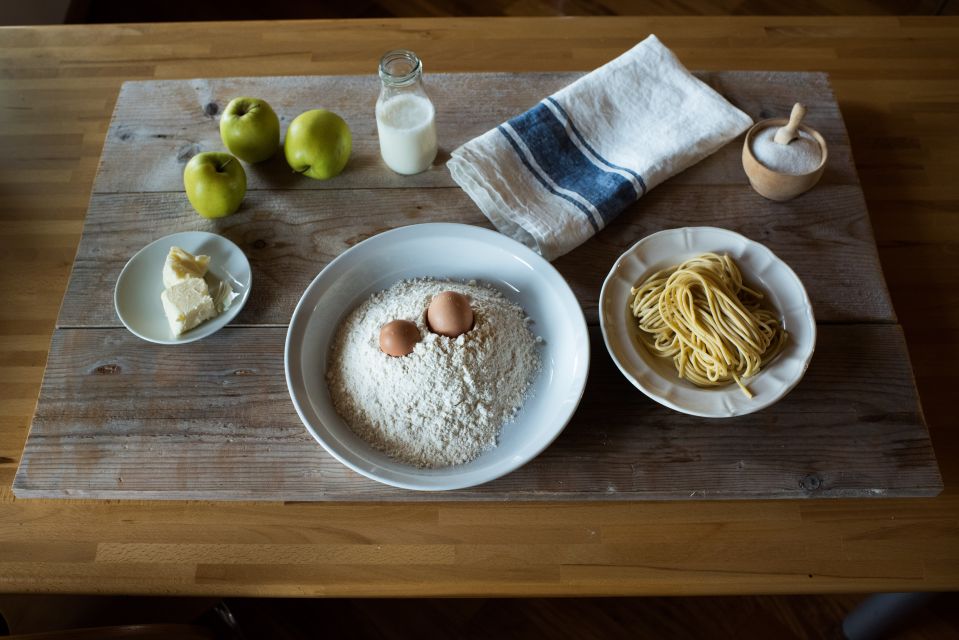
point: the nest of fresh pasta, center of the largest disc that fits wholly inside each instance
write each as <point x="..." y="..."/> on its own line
<point x="715" y="328"/>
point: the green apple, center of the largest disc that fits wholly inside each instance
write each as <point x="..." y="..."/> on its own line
<point x="250" y="129"/>
<point x="318" y="144"/>
<point x="215" y="183"/>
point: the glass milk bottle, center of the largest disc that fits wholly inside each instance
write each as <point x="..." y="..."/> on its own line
<point x="404" y="114"/>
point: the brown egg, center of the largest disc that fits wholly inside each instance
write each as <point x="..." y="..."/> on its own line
<point x="398" y="338"/>
<point x="449" y="314"/>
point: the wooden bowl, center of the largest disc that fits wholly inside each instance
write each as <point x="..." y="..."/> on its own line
<point x="773" y="184"/>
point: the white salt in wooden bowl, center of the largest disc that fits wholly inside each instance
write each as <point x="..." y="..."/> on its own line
<point x="775" y="185"/>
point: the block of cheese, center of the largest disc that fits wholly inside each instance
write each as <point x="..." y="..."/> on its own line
<point x="187" y="303"/>
<point x="222" y="294"/>
<point x="181" y="265"/>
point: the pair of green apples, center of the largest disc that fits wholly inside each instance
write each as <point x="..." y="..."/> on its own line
<point x="317" y="145"/>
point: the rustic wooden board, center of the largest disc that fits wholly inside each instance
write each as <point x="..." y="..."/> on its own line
<point x="159" y="125"/>
<point x="290" y="236"/>
<point x="218" y="423"/>
<point x="118" y="417"/>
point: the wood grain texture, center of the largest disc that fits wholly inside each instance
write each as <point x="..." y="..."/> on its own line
<point x="158" y="126"/>
<point x="894" y="79"/>
<point x="292" y="233"/>
<point x="289" y="236"/>
<point x="119" y="418"/>
<point x="110" y="11"/>
<point x="718" y="618"/>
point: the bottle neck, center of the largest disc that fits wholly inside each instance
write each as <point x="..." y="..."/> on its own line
<point x="400" y="68"/>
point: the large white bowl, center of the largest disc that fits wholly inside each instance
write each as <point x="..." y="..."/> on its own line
<point x="657" y="377"/>
<point x="442" y="251"/>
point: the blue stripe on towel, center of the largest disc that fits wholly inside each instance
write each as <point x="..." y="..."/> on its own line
<point x="544" y="182"/>
<point x="582" y="140"/>
<point x="559" y="157"/>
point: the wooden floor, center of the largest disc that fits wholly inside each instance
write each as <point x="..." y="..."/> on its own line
<point x="719" y="618"/>
<point x="781" y="618"/>
<point x="111" y="11"/>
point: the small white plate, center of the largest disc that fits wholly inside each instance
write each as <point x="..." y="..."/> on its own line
<point x="657" y="377"/>
<point x="137" y="294"/>
<point x="442" y="251"/>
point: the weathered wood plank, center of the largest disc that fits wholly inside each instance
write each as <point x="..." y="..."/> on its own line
<point x="218" y="424"/>
<point x="226" y="430"/>
<point x="158" y="126"/>
<point x="289" y="236"/>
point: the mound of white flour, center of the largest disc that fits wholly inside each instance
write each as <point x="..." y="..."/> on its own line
<point x="444" y="403"/>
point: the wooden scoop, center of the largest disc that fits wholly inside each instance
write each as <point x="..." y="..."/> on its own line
<point x="790" y="132"/>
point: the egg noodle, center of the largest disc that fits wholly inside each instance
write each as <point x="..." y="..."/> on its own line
<point x="701" y="315"/>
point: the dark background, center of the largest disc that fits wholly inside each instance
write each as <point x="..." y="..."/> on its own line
<point x="14" y="12"/>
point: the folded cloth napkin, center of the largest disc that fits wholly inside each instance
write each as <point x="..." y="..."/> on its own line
<point x="557" y="174"/>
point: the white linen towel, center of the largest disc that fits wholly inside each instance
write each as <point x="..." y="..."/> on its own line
<point x="557" y="174"/>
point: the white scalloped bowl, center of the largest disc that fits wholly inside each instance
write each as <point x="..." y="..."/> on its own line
<point x="458" y="252"/>
<point x="657" y="377"/>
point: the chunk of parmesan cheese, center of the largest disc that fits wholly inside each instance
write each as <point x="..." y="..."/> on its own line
<point x="186" y="304"/>
<point x="181" y="265"/>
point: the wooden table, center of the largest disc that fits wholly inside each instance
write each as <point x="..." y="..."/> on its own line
<point x="896" y="84"/>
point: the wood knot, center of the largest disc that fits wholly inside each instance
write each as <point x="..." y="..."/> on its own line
<point x="187" y="151"/>
<point x="107" y="369"/>
<point x="259" y="244"/>
<point x="812" y="482"/>
<point x="211" y="109"/>
<point x="360" y="237"/>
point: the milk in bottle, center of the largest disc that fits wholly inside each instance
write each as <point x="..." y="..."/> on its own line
<point x="405" y="117"/>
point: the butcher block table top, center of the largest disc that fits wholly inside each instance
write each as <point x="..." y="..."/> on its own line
<point x="894" y="81"/>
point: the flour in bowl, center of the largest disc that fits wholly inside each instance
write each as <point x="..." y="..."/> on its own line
<point x="444" y="403"/>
